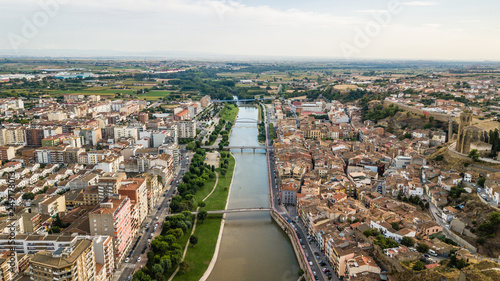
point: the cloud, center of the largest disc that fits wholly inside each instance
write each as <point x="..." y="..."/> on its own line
<point x="432" y="25"/>
<point x="420" y="3"/>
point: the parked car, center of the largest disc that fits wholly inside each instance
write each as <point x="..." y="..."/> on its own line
<point x="139" y="259"/>
<point x="127" y="259"/>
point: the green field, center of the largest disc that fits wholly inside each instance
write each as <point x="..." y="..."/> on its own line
<point x="218" y="199"/>
<point x="101" y="92"/>
<point x="199" y="256"/>
<point x="154" y="95"/>
<point x="204" y="191"/>
<point x="230" y="115"/>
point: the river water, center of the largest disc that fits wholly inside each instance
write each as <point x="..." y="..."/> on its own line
<point x="253" y="247"/>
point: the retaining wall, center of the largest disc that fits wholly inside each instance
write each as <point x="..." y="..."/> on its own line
<point x="297" y="248"/>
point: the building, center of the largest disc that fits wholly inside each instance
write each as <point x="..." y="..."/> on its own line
<point x="181" y="115"/>
<point x="109" y="184"/>
<point x="289" y="193"/>
<point x="186" y="129"/>
<point x="113" y="218"/>
<point x="12" y="135"/>
<point x="136" y="190"/>
<point x="69" y="263"/>
<point x="34" y="136"/>
<point x="53" y="205"/>
<point x="122" y="132"/>
<point x="7" y="153"/>
<point x="91" y="135"/>
<point x="143" y="117"/>
<point x="9" y="265"/>
<point x="205" y="101"/>
<point x="103" y="250"/>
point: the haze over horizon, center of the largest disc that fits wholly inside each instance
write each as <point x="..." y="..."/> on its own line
<point x="413" y="30"/>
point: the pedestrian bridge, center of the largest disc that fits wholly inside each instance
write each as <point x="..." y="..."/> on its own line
<point x="246" y="121"/>
<point x="242" y="210"/>
<point x="241" y="148"/>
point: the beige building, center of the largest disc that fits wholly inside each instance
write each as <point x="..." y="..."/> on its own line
<point x="54" y="205"/>
<point x="8" y="266"/>
<point x="70" y="263"/>
<point x="12" y="135"/>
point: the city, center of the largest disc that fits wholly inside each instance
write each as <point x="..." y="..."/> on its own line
<point x="227" y="140"/>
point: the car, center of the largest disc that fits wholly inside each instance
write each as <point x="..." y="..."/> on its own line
<point x="139" y="259"/>
<point x="156" y="217"/>
<point x="310" y="263"/>
<point x="127" y="259"/>
<point x="157" y="222"/>
<point x="426" y="256"/>
<point x="159" y="208"/>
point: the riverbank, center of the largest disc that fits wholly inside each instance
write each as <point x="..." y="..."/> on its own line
<point x="204" y="253"/>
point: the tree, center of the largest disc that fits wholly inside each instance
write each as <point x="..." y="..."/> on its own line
<point x="481" y="181"/>
<point x="202" y="215"/>
<point x="28" y="196"/>
<point x="439" y="158"/>
<point x="193" y="240"/>
<point x="184" y="266"/>
<point x="418" y="265"/>
<point x="396" y="226"/>
<point x="423" y="248"/>
<point x="474" y="155"/>
<point x="408" y="241"/>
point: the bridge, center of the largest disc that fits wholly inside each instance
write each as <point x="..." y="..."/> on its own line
<point x="241" y="148"/>
<point x="242" y="100"/>
<point x="242" y="210"/>
<point x="246" y="120"/>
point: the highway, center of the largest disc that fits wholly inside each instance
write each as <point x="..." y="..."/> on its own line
<point x="127" y="269"/>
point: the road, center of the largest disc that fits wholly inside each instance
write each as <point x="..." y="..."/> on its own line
<point x="309" y="249"/>
<point x="141" y="241"/>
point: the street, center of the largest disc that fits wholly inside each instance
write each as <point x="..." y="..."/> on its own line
<point x="127" y="269"/>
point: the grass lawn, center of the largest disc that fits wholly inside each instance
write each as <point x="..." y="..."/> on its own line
<point x="230" y="115"/>
<point x="218" y="199"/>
<point x="204" y="191"/>
<point x="199" y="256"/>
<point x="154" y="95"/>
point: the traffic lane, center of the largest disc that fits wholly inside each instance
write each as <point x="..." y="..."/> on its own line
<point x="315" y="267"/>
<point x="137" y="251"/>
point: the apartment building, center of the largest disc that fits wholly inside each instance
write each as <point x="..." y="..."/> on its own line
<point x="7" y="153"/>
<point x="91" y="135"/>
<point x="69" y="263"/>
<point x="136" y="190"/>
<point x="113" y="218"/>
<point x="109" y="184"/>
<point x="123" y="132"/>
<point x="186" y="129"/>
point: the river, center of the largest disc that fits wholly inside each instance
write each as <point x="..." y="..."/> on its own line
<point x="253" y="247"/>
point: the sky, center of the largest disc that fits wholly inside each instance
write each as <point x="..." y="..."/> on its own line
<point x="357" y="29"/>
